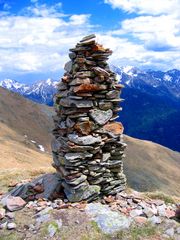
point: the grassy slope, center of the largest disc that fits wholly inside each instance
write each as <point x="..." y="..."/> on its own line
<point x="19" y="158"/>
<point x="26" y="117"/>
<point x="150" y="166"/>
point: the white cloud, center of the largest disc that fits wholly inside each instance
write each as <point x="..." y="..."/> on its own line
<point x="38" y="40"/>
<point x="154" y="31"/>
<point x="39" y="43"/>
<point x="154" y="28"/>
<point x="43" y="10"/>
<point x="153" y="7"/>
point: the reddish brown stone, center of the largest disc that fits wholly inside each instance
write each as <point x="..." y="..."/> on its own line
<point x="140" y="220"/>
<point x="13" y="184"/>
<point x="170" y="213"/>
<point x="119" y="86"/>
<point x="89" y="88"/>
<point x="84" y="127"/>
<point x="115" y="128"/>
<point x="15" y="203"/>
<point x="98" y="47"/>
<point x="109" y="199"/>
<point x="38" y="188"/>
<point x="65" y="79"/>
<point x="73" y="176"/>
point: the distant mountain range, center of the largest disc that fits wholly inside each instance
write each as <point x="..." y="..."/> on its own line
<point x="40" y="92"/>
<point x="151" y="109"/>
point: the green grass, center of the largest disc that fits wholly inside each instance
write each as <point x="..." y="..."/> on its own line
<point x="162" y="196"/>
<point x="11" y="236"/>
<point x="138" y="232"/>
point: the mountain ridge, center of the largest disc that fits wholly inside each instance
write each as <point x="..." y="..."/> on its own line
<point x="165" y="82"/>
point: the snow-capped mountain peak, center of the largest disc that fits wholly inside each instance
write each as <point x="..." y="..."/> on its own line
<point x="167" y="78"/>
<point x="14" y="85"/>
<point x="150" y="81"/>
<point x="9" y="83"/>
<point x="128" y="70"/>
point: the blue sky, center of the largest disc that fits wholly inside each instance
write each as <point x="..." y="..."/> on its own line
<point x="35" y="35"/>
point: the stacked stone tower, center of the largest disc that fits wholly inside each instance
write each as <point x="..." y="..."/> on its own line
<point x="87" y="146"/>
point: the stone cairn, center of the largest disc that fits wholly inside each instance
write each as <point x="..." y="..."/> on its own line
<point x="87" y="146"/>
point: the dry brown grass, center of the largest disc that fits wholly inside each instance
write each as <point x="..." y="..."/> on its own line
<point x="19" y="159"/>
<point x="151" y="167"/>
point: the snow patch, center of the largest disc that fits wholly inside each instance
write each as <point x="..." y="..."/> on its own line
<point x="41" y="148"/>
<point x="118" y="77"/>
<point x="167" y="78"/>
<point x="128" y="70"/>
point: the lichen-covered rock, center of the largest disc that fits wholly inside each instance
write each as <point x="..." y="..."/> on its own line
<point x="107" y="220"/>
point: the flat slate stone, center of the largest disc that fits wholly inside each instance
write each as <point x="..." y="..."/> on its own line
<point x="87" y="140"/>
<point x="113" y="129"/>
<point x="101" y="71"/>
<point x="101" y="117"/>
<point x="89" y="88"/>
<point x="88" y="37"/>
<point x="66" y="102"/>
<point x="76" y="155"/>
<point x="68" y="66"/>
<point x="77" y="181"/>
<point x="85" y="127"/>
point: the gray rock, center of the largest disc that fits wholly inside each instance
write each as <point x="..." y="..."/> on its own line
<point x="77" y="181"/>
<point x="136" y="212"/>
<point x="68" y="66"/>
<point x="67" y="102"/>
<point x="161" y="210"/>
<point x="50" y="183"/>
<point x="10" y="215"/>
<point x="52" y="230"/>
<point x="44" y="211"/>
<point x="84" y="193"/>
<point x="11" y="226"/>
<point x="155" y="220"/>
<point x="72" y="55"/>
<point x="149" y="212"/>
<point x="88" y="37"/>
<point x="105" y="105"/>
<point x="43" y="218"/>
<point x="87" y="140"/>
<point x="178" y="230"/>
<point x="62" y="86"/>
<point x="112" y="94"/>
<point x="106" y="157"/>
<point x="170" y="232"/>
<point x="2" y="213"/>
<point x="3" y="225"/>
<point x="108" y="221"/>
<point x="69" y="122"/>
<point x="101" y="71"/>
<point x="101" y="117"/>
